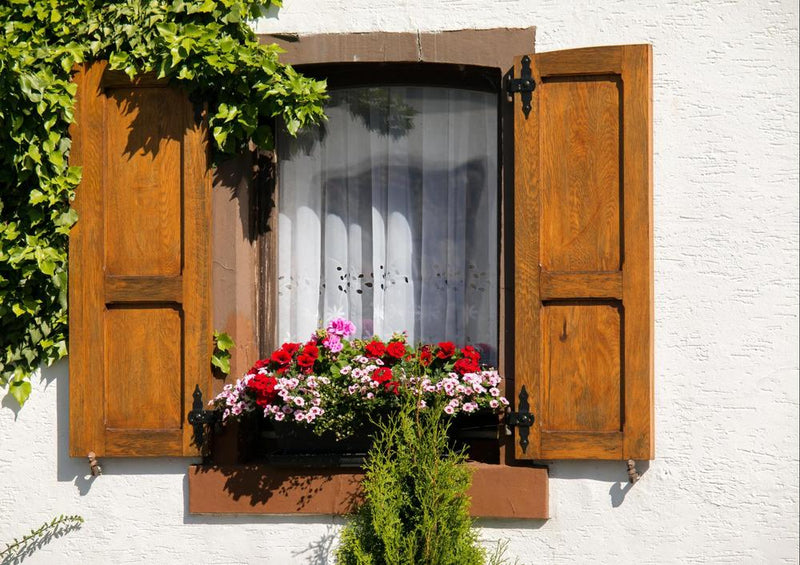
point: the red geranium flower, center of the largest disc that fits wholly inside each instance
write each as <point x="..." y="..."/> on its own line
<point x="396" y="349"/>
<point x="392" y="386"/>
<point x="311" y="349"/>
<point x="263" y="387"/>
<point x="375" y="348"/>
<point x="305" y="361"/>
<point x="281" y="357"/>
<point x="465" y="366"/>
<point x="425" y="356"/>
<point x="260" y="364"/>
<point x="290" y="348"/>
<point x="446" y="349"/>
<point x="471" y="353"/>
<point x="382" y="375"/>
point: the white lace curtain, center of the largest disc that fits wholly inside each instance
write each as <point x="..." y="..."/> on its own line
<point x="388" y="216"/>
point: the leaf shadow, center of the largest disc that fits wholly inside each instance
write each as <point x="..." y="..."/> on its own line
<point x="30" y="545"/>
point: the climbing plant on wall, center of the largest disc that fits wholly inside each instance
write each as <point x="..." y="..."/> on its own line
<point x="204" y="46"/>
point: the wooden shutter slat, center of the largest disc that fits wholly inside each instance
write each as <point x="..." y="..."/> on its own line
<point x="140" y="337"/>
<point x="143" y="289"/>
<point x="585" y="61"/>
<point x="582" y="445"/>
<point x="143" y="443"/>
<point x="86" y="342"/>
<point x="583" y="289"/>
<point x="580" y="285"/>
<point x="638" y="269"/>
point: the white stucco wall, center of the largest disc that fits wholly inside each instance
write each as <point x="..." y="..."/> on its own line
<point x="724" y="486"/>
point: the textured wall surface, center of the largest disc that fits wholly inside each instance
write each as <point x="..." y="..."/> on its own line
<point x="724" y="488"/>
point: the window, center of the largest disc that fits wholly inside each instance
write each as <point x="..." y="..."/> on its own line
<point x="574" y="274"/>
<point x="388" y="216"/>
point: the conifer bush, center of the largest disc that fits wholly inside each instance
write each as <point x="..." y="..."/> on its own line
<point x="416" y="508"/>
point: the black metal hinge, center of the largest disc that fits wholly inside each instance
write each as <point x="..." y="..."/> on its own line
<point x="524" y="85"/>
<point x="199" y="417"/>
<point x="522" y="419"/>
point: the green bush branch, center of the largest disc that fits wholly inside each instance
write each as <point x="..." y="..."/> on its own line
<point x="203" y="46"/>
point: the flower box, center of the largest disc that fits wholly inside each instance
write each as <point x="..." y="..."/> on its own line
<point x="314" y="402"/>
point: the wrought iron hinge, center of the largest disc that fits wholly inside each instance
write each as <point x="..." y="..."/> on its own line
<point x="524" y="85"/>
<point x="522" y="419"/>
<point x="198" y="417"/>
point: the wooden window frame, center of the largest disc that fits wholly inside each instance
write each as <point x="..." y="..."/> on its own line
<point x="245" y="226"/>
<point x="244" y="245"/>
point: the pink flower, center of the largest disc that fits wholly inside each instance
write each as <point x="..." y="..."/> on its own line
<point x="333" y="342"/>
<point x="341" y="327"/>
<point x="449" y="409"/>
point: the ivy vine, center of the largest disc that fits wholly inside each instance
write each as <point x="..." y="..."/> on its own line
<point x="205" y="47"/>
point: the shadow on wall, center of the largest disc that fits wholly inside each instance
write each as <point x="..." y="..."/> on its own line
<point x="614" y="472"/>
<point x="76" y="469"/>
<point x="19" y="550"/>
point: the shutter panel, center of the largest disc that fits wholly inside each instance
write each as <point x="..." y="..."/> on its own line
<point x="583" y="252"/>
<point x="139" y="267"/>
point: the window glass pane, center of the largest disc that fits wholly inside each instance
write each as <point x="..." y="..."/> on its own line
<point x="388" y="216"/>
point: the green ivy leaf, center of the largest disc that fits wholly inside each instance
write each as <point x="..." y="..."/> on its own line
<point x="204" y="45"/>
<point x="20" y="390"/>
<point x="224" y="341"/>
<point x="222" y="363"/>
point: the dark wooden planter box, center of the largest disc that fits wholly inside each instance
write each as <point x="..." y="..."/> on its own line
<point x="289" y="444"/>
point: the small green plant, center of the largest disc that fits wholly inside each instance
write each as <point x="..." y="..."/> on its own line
<point x="221" y="357"/>
<point x="19" y="549"/>
<point x="416" y="508"/>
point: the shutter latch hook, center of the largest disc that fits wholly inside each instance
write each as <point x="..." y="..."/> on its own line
<point x="633" y="474"/>
<point x="94" y="466"/>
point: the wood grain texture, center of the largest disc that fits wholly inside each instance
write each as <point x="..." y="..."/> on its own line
<point x="637" y="273"/>
<point x="585" y="178"/>
<point x="584" y="62"/>
<point x="235" y="262"/>
<point x="142" y="443"/>
<point x="140" y="337"/>
<point x="144" y="289"/>
<point x="141" y="342"/>
<point x="583" y="445"/>
<point x="580" y="182"/>
<point x="86" y="302"/>
<point x="580" y="285"/>
<point x="197" y="340"/>
<point x="527" y="299"/>
<point x="581" y="367"/>
<point x="144" y="133"/>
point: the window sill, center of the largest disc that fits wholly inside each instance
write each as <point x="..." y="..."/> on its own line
<point x="498" y="491"/>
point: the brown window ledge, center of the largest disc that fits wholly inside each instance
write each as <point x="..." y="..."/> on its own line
<point x="498" y="491"/>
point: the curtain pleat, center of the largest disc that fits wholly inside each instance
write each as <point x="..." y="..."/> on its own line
<point x="388" y="216"/>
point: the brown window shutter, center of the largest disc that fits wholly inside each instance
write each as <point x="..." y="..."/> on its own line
<point x="139" y="293"/>
<point x="583" y="253"/>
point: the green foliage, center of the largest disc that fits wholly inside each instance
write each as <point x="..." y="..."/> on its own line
<point x="416" y="508"/>
<point x="221" y="357"/>
<point x="203" y="46"/>
<point x="20" y="549"/>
